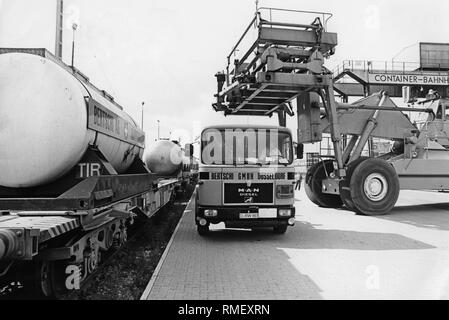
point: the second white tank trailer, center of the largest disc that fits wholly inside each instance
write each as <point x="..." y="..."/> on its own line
<point x="168" y="159"/>
<point x="71" y="176"/>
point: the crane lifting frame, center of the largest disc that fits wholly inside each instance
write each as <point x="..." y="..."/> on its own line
<point x="285" y="62"/>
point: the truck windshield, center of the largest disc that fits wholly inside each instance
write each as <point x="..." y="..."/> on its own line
<point x="246" y="147"/>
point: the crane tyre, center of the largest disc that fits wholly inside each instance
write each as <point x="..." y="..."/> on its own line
<point x="374" y="187"/>
<point x="345" y="192"/>
<point x="313" y="185"/>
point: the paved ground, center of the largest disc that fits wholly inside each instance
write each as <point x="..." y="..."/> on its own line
<point x="329" y="254"/>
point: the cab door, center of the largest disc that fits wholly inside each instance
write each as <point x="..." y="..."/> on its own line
<point x="210" y="187"/>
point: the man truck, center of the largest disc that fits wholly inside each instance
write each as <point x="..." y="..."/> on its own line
<point x="246" y="178"/>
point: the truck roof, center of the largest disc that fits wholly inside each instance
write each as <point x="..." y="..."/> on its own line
<point x="243" y="126"/>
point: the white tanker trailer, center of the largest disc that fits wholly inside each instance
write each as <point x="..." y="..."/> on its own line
<point x="168" y="159"/>
<point x="164" y="158"/>
<point x="71" y="173"/>
<point x="49" y="117"/>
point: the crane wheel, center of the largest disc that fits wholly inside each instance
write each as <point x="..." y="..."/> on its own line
<point x="313" y="185"/>
<point x="345" y="192"/>
<point x="374" y="187"/>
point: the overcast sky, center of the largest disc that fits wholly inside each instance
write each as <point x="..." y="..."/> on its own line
<point x="167" y="52"/>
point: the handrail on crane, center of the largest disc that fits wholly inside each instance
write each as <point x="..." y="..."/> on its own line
<point x="324" y="14"/>
<point x="257" y="21"/>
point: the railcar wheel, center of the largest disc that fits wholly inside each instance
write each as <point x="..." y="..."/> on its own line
<point x="374" y="187"/>
<point x="313" y="185"/>
<point x="345" y="192"/>
<point x="43" y="280"/>
<point x="50" y="279"/>
<point x="63" y="279"/>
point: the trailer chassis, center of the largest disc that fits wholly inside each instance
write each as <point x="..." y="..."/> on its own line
<point x="61" y="233"/>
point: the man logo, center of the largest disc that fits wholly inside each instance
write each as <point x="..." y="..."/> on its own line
<point x="249" y="190"/>
<point x="249" y="200"/>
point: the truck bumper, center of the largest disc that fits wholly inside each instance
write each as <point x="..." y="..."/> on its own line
<point x="232" y="219"/>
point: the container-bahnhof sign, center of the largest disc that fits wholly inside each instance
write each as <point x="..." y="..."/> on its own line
<point x="408" y="79"/>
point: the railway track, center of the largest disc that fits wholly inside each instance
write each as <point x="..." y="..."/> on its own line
<point x="157" y="230"/>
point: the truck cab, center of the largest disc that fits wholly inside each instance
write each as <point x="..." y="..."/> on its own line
<point x="246" y="178"/>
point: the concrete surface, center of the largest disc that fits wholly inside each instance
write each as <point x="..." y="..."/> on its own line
<point x="329" y="254"/>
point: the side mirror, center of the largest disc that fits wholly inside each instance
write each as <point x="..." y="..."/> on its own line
<point x="189" y="150"/>
<point x="300" y="151"/>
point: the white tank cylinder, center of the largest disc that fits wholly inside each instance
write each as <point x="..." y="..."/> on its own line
<point x="47" y="123"/>
<point x="164" y="158"/>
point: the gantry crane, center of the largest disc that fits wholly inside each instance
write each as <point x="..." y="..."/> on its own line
<point x="285" y="63"/>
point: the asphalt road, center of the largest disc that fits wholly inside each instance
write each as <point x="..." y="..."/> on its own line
<point x="403" y="255"/>
<point x="328" y="254"/>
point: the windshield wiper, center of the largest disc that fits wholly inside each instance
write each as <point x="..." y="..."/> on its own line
<point x="280" y="157"/>
<point x="260" y="164"/>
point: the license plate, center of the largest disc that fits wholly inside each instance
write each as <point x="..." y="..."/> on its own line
<point x="254" y="215"/>
<point x="268" y="213"/>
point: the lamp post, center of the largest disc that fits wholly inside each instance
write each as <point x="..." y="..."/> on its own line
<point x="143" y="104"/>
<point x="74" y="28"/>
<point x="59" y="28"/>
<point x="158" y="130"/>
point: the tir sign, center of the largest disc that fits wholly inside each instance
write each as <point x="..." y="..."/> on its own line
<point x="87" y="170"/>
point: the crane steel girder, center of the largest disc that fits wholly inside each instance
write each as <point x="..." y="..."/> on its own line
<point x="300" y="38"/>
<point x="271" y="91"/>
<point x="390" y="123"/>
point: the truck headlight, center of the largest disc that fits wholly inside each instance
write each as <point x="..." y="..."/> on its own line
<point x="284" y="191"/>
<point x="285" y="212"/>
<point x="210" y="213"/>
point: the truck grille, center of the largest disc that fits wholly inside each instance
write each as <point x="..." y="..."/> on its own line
<point x="240" y="193"/>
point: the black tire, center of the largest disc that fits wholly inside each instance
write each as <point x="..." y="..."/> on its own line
<point x="195" y="207"/>
<point x="345" y="192"/>
<point x="313" y="185"/>
<point x="43" y="279"/>
<point x="309" y="175"/>
<point x="203" y="230"/>
<point x="379" y="196"/>
<point x="280" y="229"/>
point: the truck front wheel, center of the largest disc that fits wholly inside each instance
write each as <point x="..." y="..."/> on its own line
<point x="280" y="229"/>
<point x="374" y="187"/>
<point x="203" y="230"/>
